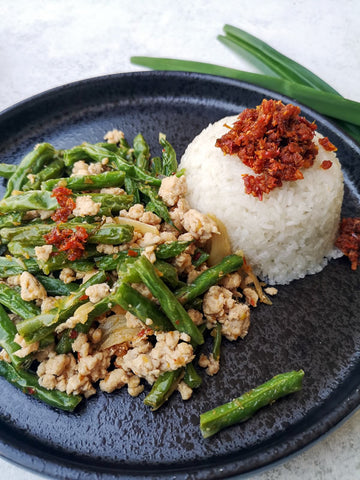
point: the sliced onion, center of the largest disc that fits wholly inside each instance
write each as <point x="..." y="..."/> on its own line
<point x="138" y="226"/>
<point x="116" y="332"/>
<point x="220" y="245"/>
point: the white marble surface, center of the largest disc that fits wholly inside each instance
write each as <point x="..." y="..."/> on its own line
<point x="46" y="44"/>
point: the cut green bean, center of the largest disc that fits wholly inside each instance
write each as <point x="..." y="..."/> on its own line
<point x="86" y="182"/>
<point x="156" y="206"/>
<point x="32" y="163"/>
<point x="162" y="389"/>
<point x="169" y="303"/>
<point x="209" y="277"/>
<point x="11" y="220"/>
<point x="29" y="384"/>
<point x="56" y="287"/>
<point x="15" y="266"/>
<point x="109" y="233"/>
<point x="53" y="170"/>
<point x="217" y="341"/>
<point x="191" y="377"/>
<point x="170" y="250"/>
<point x="38" y="327"/>
<point x="12" y="300"/>
<point x="244" y="407"/>
<point x="143" y="308"/>
<point x="7" y="169"/>
<point x="169" y="162"/>
<point x="141" y="152"/>
<point x="7" y="335"/>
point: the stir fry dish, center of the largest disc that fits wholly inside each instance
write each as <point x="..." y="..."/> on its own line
<point x="109" y="278"/>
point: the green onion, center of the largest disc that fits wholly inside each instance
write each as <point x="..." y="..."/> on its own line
<point x="326" y="103"/>
<point x="267" y="59"/>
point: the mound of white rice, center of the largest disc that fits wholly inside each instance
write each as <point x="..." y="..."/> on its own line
<point x="287" y="235"/>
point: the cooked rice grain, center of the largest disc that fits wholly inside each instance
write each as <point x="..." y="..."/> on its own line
<point x="287" y="235"/>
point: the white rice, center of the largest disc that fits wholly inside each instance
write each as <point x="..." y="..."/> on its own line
<point x="287" y="235"/>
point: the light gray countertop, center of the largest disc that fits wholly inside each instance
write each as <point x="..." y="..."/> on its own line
<point x="46" y="44"/>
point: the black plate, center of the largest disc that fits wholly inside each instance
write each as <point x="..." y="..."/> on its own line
<point x="313" y="323"/>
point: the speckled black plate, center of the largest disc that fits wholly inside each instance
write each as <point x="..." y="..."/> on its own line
<point x="313" y="323"/>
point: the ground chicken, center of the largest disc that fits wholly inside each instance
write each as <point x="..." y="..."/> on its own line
<point x="220" y="306"/>
<point x="13" y="281"/>
<point x="149" y="253"/>
<point x="132" y="321"/>
<point x="80" y="168"/>
<point x="49" y="303"/>
<point x="149" y="362"/>
<point x="184" y="390"/>
<point x="67" y="275"/>
<point x="231" y="281"/>
<point x="86" y="206"/>
<point x="196" y="316"/>
<point x="43" y="253"/>
<point x="113" y="191"/>
<point x="114" y="380"/>
<point x="150" y="218"/>
<point x="271" y="290"/>
<point x="114" y="136"/>
<point x="97" y="292"/>
<point x="107" y="249"/>
<point x="149" y="239"/>
<point x="251" y="296"/>
<point x="26" y="348"/>
<point x="212" y="366"/>
<point x="201" y="227"/>
<point x="31" y="288"/>
<point x="96" y="168"/>
<point x="177" y="213"/>
<point x="135" y="212"/>
<point x="172" y="188"/>
<point x="183" y="263"/>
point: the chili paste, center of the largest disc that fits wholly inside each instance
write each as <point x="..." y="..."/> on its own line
<point x="349" y="240"/>
<point x="275" y="142"/>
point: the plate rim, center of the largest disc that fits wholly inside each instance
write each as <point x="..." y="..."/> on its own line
<point x="12" y="453"/>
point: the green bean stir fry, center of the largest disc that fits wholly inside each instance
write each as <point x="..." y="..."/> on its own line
<point x="105" y="278"/>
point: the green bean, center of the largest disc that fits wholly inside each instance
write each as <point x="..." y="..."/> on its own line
<point x="167" y="272"/>
<point x="38" y="327"/>
<point x="28" y="383"/>
<point x="86" y="182"/>
<point x="169" y="303"/>
<point x="141" y="152"/>
<point x="131" y="188"/>
<point x="99" y="152"/>
<point x="199" y="257"/>
<point x="156" y="166"/>
<point x="162" y="389"/>
<point x="12" y="300"/>
<point x="32" y="163"/>
<point x="168" y="156"/>
<point x="53" y="170"/>
<point x="60" y="260"/>
<point x="111" y="204"/>
<point x="217" y="341"/>
<point x="191" y="377"/>
<point x="18" y="249"/>
<point x="109" y="233"/>
<point x="156" y="205"/>
<point x="67" y="337"/>
<point x="15" y="266"/>
<point x="43" y="200"/>
<point x="32" y="200"/>
<point x="209" y="277"/>
<point x="7" y="169"/>
<point x="143" y="308"/>
<point x="56" y="287"/>
<point x="242" y="408"/>
<point x="170" y="250"/>
<point x="11" y="220"/>
<point x="7" y="335"/>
